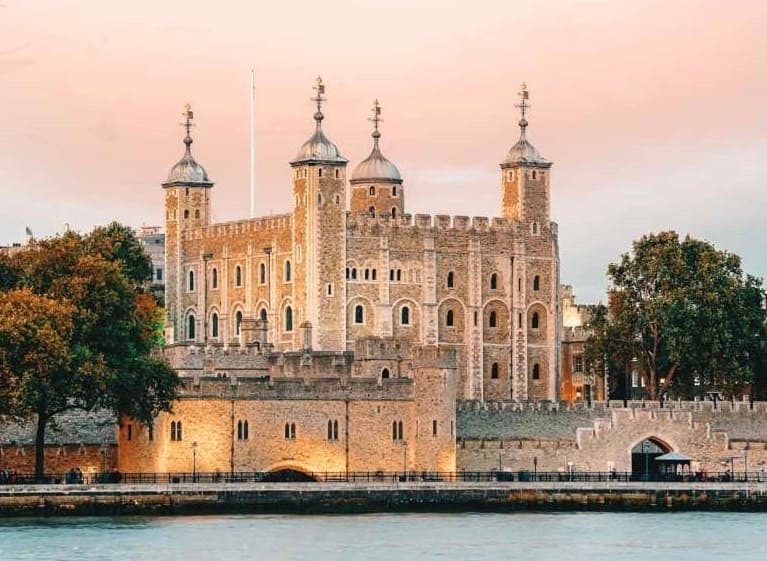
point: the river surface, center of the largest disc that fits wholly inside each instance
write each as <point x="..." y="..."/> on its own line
<point x="395" y="537"/>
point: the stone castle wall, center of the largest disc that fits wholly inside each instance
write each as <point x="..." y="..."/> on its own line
<point x="600" y="438"/>
<point x="336" y="419"/>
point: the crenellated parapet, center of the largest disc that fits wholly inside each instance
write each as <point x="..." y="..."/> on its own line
<point x="304" y="389"/>
<point x="240" y="227"/>
<point x="367" y="223"/>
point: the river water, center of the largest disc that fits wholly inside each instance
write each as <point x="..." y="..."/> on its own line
<point x="392" y="537"/>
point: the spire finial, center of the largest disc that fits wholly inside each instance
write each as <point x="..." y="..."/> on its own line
<point x="318" y="99"/>
<point x="188" y="115"/>
<point x="375" y="119"/>
<point x="524" y="95"/>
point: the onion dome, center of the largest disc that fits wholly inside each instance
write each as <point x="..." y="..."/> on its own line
<point x="318" y="149"/>
<point x="187" y="170"/>
<point x="524" y="153"/>
<point x="376" y="168"/>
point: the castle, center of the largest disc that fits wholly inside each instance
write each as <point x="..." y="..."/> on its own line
<point x="486" y="288"/>
<point x="348" y="322"/>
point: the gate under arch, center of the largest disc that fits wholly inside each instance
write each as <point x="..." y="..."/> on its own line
<point x="643" y="464"/>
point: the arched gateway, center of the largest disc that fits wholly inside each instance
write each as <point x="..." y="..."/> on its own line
<point x="643" y="464"/>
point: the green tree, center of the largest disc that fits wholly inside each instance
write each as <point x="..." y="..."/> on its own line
<point x="114" y="364"/>
<point x="687" y="312"/>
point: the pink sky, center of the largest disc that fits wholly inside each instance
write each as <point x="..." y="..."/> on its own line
<point x="653" y="112"/>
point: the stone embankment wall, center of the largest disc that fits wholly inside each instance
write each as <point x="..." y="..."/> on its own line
<point x="407" y="497"/>
<point x="599" y="438"/>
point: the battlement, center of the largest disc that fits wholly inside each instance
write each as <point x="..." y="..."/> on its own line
<point x="381" y="348"/>
<point x="432" y="356"/>
<point x="240" y="227"/>
<point x="311" y="389"/>
<point x="365" y="222"/>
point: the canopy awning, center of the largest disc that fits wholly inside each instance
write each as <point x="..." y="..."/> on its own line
<point x="674" y="458"/>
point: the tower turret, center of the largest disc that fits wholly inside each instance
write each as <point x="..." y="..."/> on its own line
<point x="525" y="176"/>
<point x="319" y="241"/>
<point x="187" y="206"/>
<point x="376" y="182"/>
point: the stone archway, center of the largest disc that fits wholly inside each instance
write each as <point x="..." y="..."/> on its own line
<point x="643" y="454"/>
<point x="288" y="475"/>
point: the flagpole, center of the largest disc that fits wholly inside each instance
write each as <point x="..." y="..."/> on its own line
<point x="252" y="143"/>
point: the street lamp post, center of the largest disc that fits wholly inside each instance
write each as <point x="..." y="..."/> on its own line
<point x="194" y="461"/>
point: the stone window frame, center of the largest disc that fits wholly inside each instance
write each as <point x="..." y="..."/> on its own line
<point x="494" y="281"/>
<point x="215" y="324"/>
<point x="191" y="285"/>
<point x="359" y="314"/>
<point x="404" y="316"/>
<point x="238" y="317"/>
<point x="243" y="430"/>
<point x="290" y="431"/>
<point x="214" y="278"/>
<point x="262" y="273"/>
<point x="535" y="372"/>
<point x="450" y="280"/>
<point x="287" y="272"/>
<point x="190" y="327"/>
<point x="495" y="371"/>
<point x="287" y="319"/>
<point x="536" y="283"/>
<point x="238" y="276"/>
<point x="332" y="430"/>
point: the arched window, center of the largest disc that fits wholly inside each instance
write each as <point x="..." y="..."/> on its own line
<point x="493" y="320"/>
<point x="179" y="431"/>
<point x="190" y="327"/>
<point x="535" y="228"/>
<point x="493" y="282"/>
<point x="385" y="373"/>
<point x="394" y="430"/>
<point x="330" y="430"/>
<point x="173" y="430"/>
<point x="373" y="274"/>
<point x="450" y="280"/>
<point x="214" y="278"/>
<point x="335" y="430"/>
<point x="372" y="211"/>
<point x="214" y="325"/>
<point x="434" y="427"/>
<point x="190" y="283"/>
<point x="494" y="371"/>
<point x="372" y="191"/>
<point x="359" y="314"/>
<point x="449" y="320"/>
<point x="239" y="430"/>
<point x="354" y="274"/>
<point x="262" y="273"/>
<point x="367" y="274"/>
<point x="391" y="274"/>
<point x="348" y="273"/>
<point x="197" y="213"/>
<point x="337" y="173"/>
<point x="405" y="316"/>
<point x="262" y="314"/>
<point x="536" y="282"/>
<point x="292" y="431"/>
<point x="238" y="276"/>
<point x="534" y="174"/>
<point x="237" y="322"/>
<point x="394" y="191"/>
<point x="534" y="321"/>
<point x="399" y="275"/>
<point x="287" y="430"/>
<point x="399" y="427"/>
<point x="319" y="172"/>
<point x="245" y="430"/>
<point x="536" y="371"/>
<point x="287" y="270"/>
<point x="288" y="318"/>
<point x="393" y="212"/>
<point x="338" y="197"/>
<point x="186" y="214"/>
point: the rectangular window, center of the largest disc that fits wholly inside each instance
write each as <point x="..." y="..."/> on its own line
<point x="578" y="363"/>
<point x="158" y="274"/>
<point x="434" y="427"/>
<point x="130" y="432"/>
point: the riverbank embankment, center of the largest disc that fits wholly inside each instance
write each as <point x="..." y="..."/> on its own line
<point x="175" y="499"/>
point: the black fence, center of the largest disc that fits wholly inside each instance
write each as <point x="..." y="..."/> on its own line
<point x="115" y="477"/>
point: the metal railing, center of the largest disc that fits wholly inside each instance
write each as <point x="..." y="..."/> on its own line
<point x="170" y="478"/>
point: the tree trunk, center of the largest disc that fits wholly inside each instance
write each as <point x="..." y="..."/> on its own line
<point x="42" y="421"/>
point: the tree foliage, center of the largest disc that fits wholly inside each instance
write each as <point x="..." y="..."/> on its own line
<point x="687" y="313"/>
<point x="83" y="293"/>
